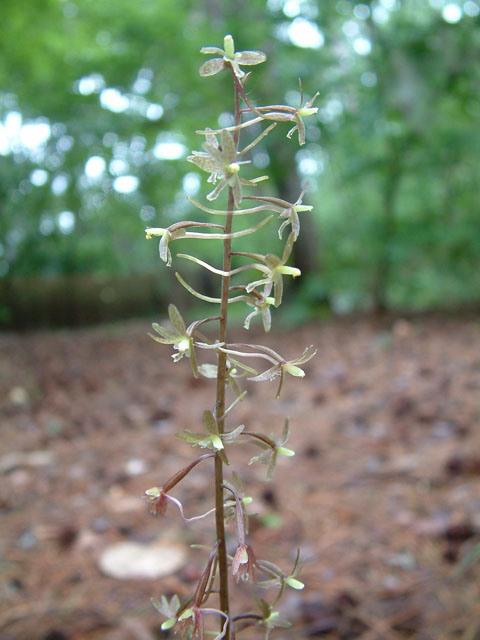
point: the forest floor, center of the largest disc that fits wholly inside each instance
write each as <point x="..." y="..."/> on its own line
<point x="382" y="497"/>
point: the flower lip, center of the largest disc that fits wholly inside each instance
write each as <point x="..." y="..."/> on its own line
<point x="293" y="370"/>
<point x="289" y="271"/>
<point x="284" y="451"/>
<point x="294" y="583"/>
<point x="183" y="345"/>
<point x="307" y="111"/>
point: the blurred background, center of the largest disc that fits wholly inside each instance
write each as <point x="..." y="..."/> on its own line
<point x="99" y="103"/>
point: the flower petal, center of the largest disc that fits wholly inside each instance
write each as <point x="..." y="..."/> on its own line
<point x="208" y="370"/>
<point x="251" y="57"/>
<point x="216" y="192"/>
<point x="164" y="250"/>
<point x="278" y="291"/>
<point x="165" y="333"/>
<point x="237" y="192"/>
<point x="267" y="319"/>
<point x="210" y="50"/>
<point x="206" y="163"/>
<point x="270" y="374"/>
<point x="176" y="319"/>
<point x="211" y="67"/>
<point x="246" y="324"/>
<point x="229" y="150"/>
<point x="216" y="154"/>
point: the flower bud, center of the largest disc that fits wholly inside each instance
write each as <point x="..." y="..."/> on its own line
<point x="243" y="563"/>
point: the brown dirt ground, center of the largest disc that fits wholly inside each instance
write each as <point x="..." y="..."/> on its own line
<point x="382" y="497"/>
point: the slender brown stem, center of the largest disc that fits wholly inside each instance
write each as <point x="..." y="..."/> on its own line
<point x="221" y="388"/>
<point x="220" y="410"/>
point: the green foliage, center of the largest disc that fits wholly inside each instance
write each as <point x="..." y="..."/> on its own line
<point x="391" y="156"/>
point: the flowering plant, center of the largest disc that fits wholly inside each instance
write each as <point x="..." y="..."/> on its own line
<point x="222" y="158"/>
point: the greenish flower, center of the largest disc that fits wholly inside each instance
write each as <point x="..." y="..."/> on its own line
<point x="166" y="235"/>
<point x="168" y="609"/>
<point x="261" y="305"/>
<point x="211" y="438"/>
<point x="181" y="338"/>
<point x="303" y="111"/>
<point x="222" y="162"/>
<point x="278" y="578"/>
<point x="273" y="447"/>
<point x="287" y="211"/>
<point x="291" y="579"/>
<point x="274" y="269"/>
<point x="179" y="230"/>
<point x="280" y="365"/>
<point x="271" y="618"/>
<point x="229" y="57"/>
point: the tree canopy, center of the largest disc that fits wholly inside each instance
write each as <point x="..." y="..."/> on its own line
<point x="99" y="103"/>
